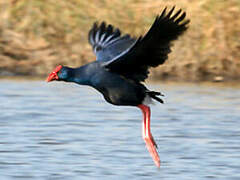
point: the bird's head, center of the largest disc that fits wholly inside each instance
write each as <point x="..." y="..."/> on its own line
<point x="60" y="73"/>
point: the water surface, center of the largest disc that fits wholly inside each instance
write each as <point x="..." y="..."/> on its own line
<point x="64" y="131"/>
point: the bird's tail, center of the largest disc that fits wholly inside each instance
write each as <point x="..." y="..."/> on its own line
<point x="154" y="94"/>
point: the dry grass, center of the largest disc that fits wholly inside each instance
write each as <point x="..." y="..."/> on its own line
<point x="36" y="35"/>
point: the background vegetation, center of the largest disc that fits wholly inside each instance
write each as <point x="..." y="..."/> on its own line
<point x="36" y="35"/>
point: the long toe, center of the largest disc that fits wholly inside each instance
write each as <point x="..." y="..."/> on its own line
<point x="152" y="139"/>
<point x="151" y="146"/>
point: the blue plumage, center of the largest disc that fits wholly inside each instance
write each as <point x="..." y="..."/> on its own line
<point x="122" y="64"/>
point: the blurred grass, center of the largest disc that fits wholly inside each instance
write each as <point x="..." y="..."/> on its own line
<point x="36" y="35"/>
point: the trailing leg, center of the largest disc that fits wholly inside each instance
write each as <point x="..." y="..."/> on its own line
<point x="147" y="136"/>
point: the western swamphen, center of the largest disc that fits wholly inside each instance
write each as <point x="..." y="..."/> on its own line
<point x="123" y="62"/>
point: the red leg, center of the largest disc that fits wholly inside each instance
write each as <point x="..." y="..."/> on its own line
<point x="147" y="136"/>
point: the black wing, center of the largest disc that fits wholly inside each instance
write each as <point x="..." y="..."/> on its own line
<point x="152" y="49"/>
<point x="107" y="41"/>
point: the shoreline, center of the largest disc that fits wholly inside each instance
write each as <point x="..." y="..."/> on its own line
<point x="233" y="83"/>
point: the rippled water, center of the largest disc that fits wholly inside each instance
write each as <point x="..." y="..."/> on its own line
<point x="64" y="131"/>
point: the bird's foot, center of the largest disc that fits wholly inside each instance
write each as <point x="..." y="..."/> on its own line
<point x="152" y="148"/>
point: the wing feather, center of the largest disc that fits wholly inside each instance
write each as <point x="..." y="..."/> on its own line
<point x="152" y="49"/>
<point x="107" y="41"/>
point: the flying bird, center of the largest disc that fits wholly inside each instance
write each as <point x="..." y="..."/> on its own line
<point x="123" y="62"/>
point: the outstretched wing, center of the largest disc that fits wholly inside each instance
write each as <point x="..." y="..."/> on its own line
<point x="107" y="41"/>
<point x="152" y="49"/>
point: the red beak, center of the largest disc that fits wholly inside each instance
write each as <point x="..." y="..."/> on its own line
<point x="53" y="75"/>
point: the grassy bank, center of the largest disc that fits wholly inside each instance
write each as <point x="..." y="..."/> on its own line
<point x="37" y="35"/>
